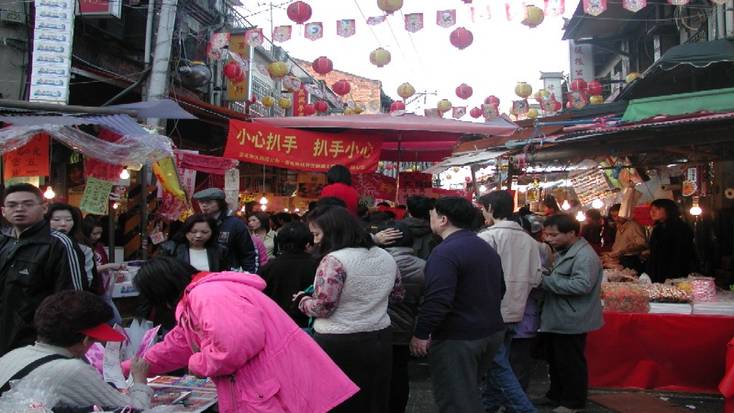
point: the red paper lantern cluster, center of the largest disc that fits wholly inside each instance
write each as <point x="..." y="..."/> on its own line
<point x="464" y="91"/>
<point x="321" y="106"/>
<point x="299" y="12"/>
<point x="594" y="87"/>
<point x="579" y="85"/>
<point x="341" y="87"/>
<point x="397" y="105"/>
<point x="492" y="100"/>
<point x="233" y="71"/>
<point x="476" y="113"/>
<point x="461" y="38"/>
<point x="309" y="109"/>
<point x="322" y="65"/>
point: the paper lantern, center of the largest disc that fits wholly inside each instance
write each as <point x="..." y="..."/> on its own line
<point x="239" y="78"/>
<point x="594" y="87"/>
<point x="341" y="87"/>
<point x="406" y="90"/>
<point x="397" y="105"/>
<point x="299" y="12"/>
<point x="541" y="95"/>
<point x="532" y="113"/>
<point x="579" y="85"/>
<point x="232" y="70"/>
<point x="321" y="106"/>
<point x="390" y="6"/>
<point x="596" y="100"/>
<point x="461" y="38"/>
<point x="380" y="57"/>
<point x="267" y="101"/>
<point x="444" y="105"/>
<point x="349" y="111"/>
<point x="322" y="65"/>
<point x="492" y="100"/>
<point x="309" y="109"/>
<point x="533" y="16"/>
<point x="523" y="90"/>
<point x="464" y="91"/>
<point x="277" y="70"/>
<point x="476" y="113"/>
<point x="284" y="103"/>
<point x="631" y="77"/>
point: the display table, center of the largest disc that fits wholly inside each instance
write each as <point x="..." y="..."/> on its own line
<point x="659" y="351"/>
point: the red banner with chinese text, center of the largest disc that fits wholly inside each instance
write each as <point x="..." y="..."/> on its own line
<point x="300" y="99"/>
<point x="30" y="159"/>
<point x="300" y="150"/>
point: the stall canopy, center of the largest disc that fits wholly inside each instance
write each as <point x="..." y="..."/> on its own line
<point x="718" y="100"/>
<point x="405" y="137"/>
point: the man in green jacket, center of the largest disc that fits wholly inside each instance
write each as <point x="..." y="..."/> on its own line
<point x="572" y="308"/>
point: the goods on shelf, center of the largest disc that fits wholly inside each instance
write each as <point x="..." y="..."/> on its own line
<point x="662" y="293"/>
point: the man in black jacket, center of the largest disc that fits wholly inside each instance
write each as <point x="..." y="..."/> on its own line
<point x="233" y="234"/>
<point x="35" y="262"/>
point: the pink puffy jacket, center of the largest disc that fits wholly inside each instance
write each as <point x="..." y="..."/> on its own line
<point x="259" y="359"/>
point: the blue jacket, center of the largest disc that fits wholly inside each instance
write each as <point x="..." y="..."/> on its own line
<point x="463" y="290"/>
<point x="235" y="238"/>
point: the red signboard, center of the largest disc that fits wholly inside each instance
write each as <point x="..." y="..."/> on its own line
<point x="300" y="99"/>
<point x="300" y="150"/>
<point x="30" y="159"/>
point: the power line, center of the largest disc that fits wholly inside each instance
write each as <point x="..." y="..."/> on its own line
<point x="364" y="17"/>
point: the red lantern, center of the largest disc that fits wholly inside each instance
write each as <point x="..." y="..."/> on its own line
<point x="341" y="87"/>
<point x="309" y="109"/>
<point x="232" y="70"/>
<point x="492" y="100"/>
<point x="594" y="88"/>
<point x="557" y="106"/>
<point x="579" y="85"/>
<point x="461" y="38"/>
<point x="321" y="106"/>
<point x="464" y="91"/>
<point x="397" y="105"/>
<point x="476" y="113"/>
<point x="299" y="12"/>
<point x="322" y="65"/>
<point x="240" y="77"/>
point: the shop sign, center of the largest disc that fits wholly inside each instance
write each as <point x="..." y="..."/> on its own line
<point x="96" y="197"/>
<point x="237" y="90"/>
<point x="300" y="99"/>
<point x="300" y="150"/>
<point x="30" y="159"/>
<point x="582" y="61"/>
<point x="53" y="34"/>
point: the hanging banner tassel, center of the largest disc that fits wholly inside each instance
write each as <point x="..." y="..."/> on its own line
<point x="314" y="31"/>
<point x="595" y="7"/>
<point x="346" y="27"/>
<point x="413" y="22"/>
<point x="282" y="33"/>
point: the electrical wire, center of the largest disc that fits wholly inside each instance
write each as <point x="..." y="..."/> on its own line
<point x="364" y="18"/>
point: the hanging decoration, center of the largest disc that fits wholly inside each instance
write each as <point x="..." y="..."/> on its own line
<point x="523" y="90"/>
<point x="458" y="112"/>
<point x="443" y="106"/>
<point x="216" y="46"/>
<point x="284" y="103"/>
<point x="594" y="87"/>
<point x="532" y="113"/>
<point x="309" y="109"/>
<point x="375" y="20"/>
<point x="483" y="14"/>
<point x="595" y="7"/>
<point x="390" y="6"/>
<point x="291" y="83"/>
<point x="413" y="22"/>
<point x="277" y="70"/>
<point x="533" y="16"/>
<point x="579" y="85"/>
<point x="380" y="57"/>
<point x="541" y="95"/>
<point x="555" y="7"/>
<point x="299" y="12"/>
<point x="232" y="70"/>
<point x="520" y="107"/>
<point x="476" y="113"/>
<point x="322" y="65"/>
<point x="461" y="38"/>
<point x="490" y="111"/>
<point x="341" y="87"/>
<point x="267" y="101"/>
<point x="492" y="100"/>
<point x="577" y="99"/>
<point x="678" y="2"/>
<point x="321" y="106"/>
<point x="254" y="37"/>
<point x="631" y="77"/>
<point x="446" y="18"/>
<point x="596" y="99"/>
<point x="406" y="90"/>
<point x="282" y="33"/>
<point x="396" y="106"/>
<point x="464" y="91"/>
<point x="346" y="27"/>
<point x="314" y="31"/>
<point x="634" y="5"/>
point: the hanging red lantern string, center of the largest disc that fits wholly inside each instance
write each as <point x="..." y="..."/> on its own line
<point x="397" y="105"/>
<point x="232" y="70"/>
<point x="464" y="91"/>
<point x="322" y="65"/>
<point x="299" y="12"/>
<point x="341" y="87"/>
<point x="321" y="106"/>
<point x="476" y="113"/>
<point x="461" y="38"/>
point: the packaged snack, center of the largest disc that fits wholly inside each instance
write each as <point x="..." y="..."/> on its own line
<point x="625" y="297"/>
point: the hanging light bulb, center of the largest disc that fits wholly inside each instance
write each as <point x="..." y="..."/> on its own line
<point x="263" y="207"/>
<point x="597" y="204"/>
<point x="49" y="193"/>
<point x="580" y="216"/>
<point x="263" y="200"/>
<point x="297" y="210"/>
<point x="285" y="209"/>
<point x="565" y="205"/>
<point x="116" y="205"/>
<point x="695" y="209"/>
<point x="125" y="174"/>
<point x="482" y="188"/>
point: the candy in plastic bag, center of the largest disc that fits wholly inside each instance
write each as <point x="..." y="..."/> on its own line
<point x="29" y="396"/>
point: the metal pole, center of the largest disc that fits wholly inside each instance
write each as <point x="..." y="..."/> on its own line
<point x="397" y="179"/>
<point x="111" y="233"/>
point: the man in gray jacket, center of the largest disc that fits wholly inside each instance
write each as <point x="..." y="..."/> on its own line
<point x="572" y="308"/>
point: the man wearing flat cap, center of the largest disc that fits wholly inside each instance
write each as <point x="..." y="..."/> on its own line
<point x="233" y="234"/>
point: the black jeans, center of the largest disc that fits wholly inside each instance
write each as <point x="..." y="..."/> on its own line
<point x="400" y="382"/>
<point x="521" y="360"/>
<point x="569" y="377"/>
<point x="367" y="359"/>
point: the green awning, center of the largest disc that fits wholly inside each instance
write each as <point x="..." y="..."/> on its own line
<point x="699" y="55"/>
<point x="717" y="100"/>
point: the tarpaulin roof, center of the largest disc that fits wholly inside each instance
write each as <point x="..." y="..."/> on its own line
<point x="718" y="100"/>
<point x="699" y="54"/>
<point x="467" y="158"/>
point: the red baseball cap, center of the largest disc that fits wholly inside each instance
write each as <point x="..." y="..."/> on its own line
<point x="103" y="332"/>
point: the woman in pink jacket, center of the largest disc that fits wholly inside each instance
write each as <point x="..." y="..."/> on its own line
<point x="228" y="330"/>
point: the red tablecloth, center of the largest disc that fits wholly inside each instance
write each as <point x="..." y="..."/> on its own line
<point x="659" y="351"/>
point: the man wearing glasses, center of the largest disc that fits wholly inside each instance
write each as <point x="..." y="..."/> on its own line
<point x="35" y="262"/>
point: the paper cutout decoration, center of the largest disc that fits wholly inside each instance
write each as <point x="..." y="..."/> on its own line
<point x="555" y="7"/>
<point x="374" y="21"/>
<point x="634" y="5"/>
<point x="254" y="37"/>
<point x="345" y="27"/>
<point x="282" y="33"/>
<point x="217" y="44"/>
<point x="520" y="107"/>
<point x="446" y="18"/>
<point x="314" y="31"/>
<point x="595" y="7"/>
<point x="95" y="199"/>
<point x="413" y="22"/>
<point x="459" y="111"/>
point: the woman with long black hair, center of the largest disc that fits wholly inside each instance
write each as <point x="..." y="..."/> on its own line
<point x="672" y="252"/>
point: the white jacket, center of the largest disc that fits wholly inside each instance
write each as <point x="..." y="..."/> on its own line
<point x="520" y="255"/>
